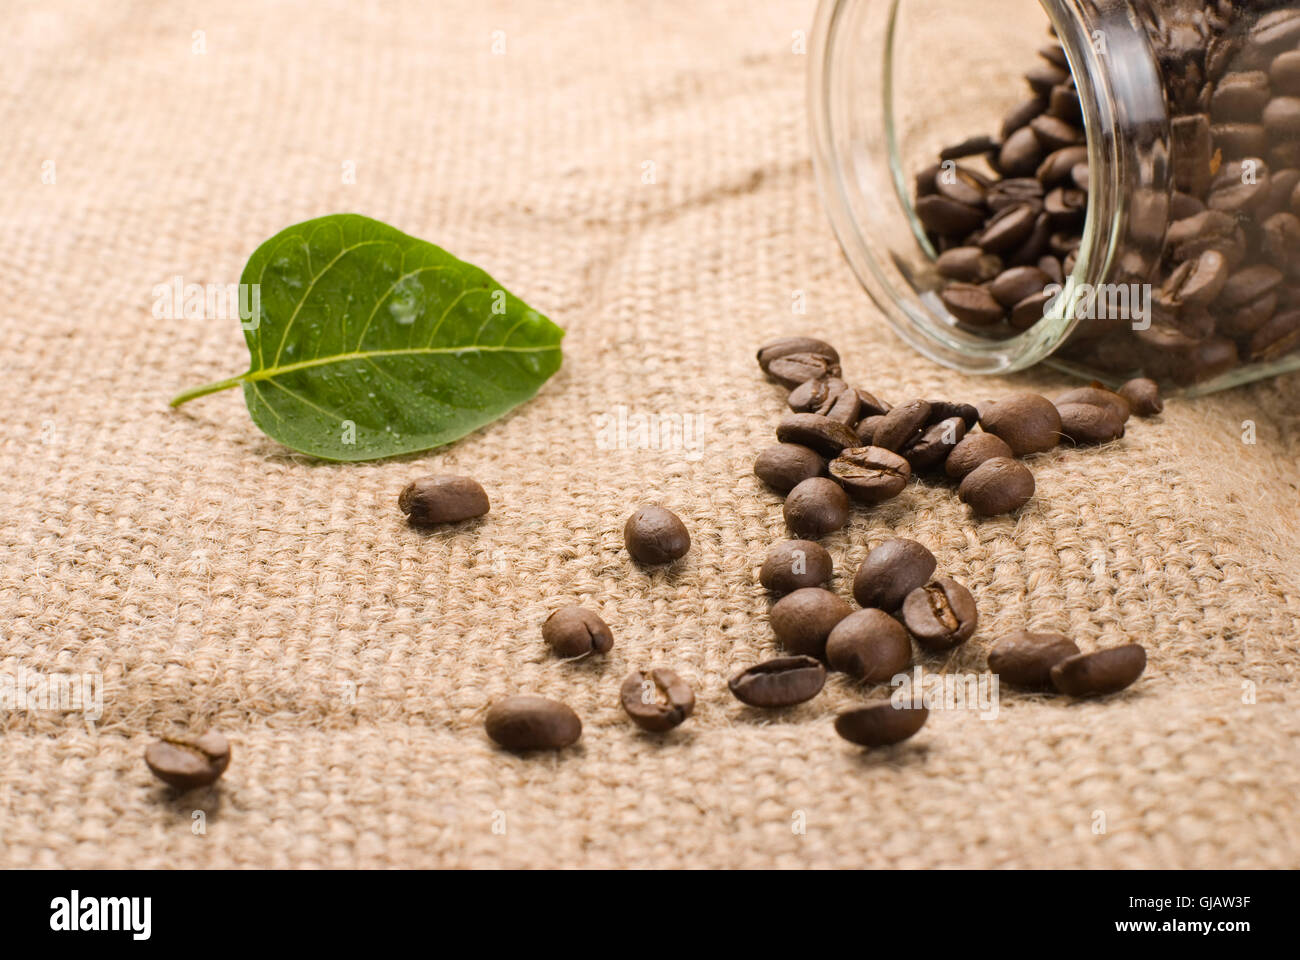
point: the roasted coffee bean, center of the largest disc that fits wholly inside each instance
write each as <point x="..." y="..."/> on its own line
<point x="1029" y="423"/>
<point x="1281" y="241"/>
<point x="1063" y="102"/>
<point x="960" y="184"/>
<point x="1025" y="659"/>
<point x="816" y="507"/>
<point x="799" y="368"/>
<point x="1021" y="115"/>
<point x="1241" y="139"/>
<point x="1060" y="164"/>
<point x="934" y="444"/>
<point x="1020" y="155"/>
<point x="1278" y="336"/>
<point x="1249" y="284"/>
<point x="1210" y="230"/>
<point x="1014" y="192"/>
<point x="946" y="409"/>
<point x="1191" y="152"/>
<point x="1239" y="186"/>
<point x="1100" y="672"/>
<point x="783" y="466"/>
<point x="1087" y="423"/>
<point x="790" y="346"/>
<point x="1282" y="117"/>
<point x="1080" y="177"/>
<point x="829" y="397"/>
<point x="998" y="485"/>
<point x="792" y="564"/>
<point x="1184" y="205"/>
<point x="779" y="683"/>
<point x="1281" y="186"/>
<point x="1064" y="206"/>
<point x="940" y="615"/>
<point x="1008" y="228"/>
<point x="880" y="724"/>
<point x="1143" y="396"/>
<point x="890" y="572"/>
<point x="654" y="535"/>
<point x="1043" y="76"/>
<point x="925" y="179"/>
<point x="1016" y="284"/>
<point x="1051" y="266"/>
<point x="1284" y="73"/>
<point x="529" y="722"/>
<point x="1033" y="246"/>
<point x="946" y="217"/>
<point x="968" y="265"/>
<point x="1030" y="310"/>
<point x="1098" y="397"/>
<point x="188" y="764"/>
<point x="970" y="147"/>
<point x="902" y="424"/>
<point x="1240" y="97"/>
<point x="1203" y="281"/>
<point x="657" y="700"/>
<point x="866" y="430"/>
<point x="1054" y="134"/>
<point x="971" y="304"/>
<point x="575" y="631"/>
<point x="804" y="619"/>
<point x="869" y="645"/>
<point x="1053" y="53"/>
<point x="870" y="474"/>
<point x="971" y="451"/>
<point x="430" y="501"/>
<point x="822" y="434"/>
<point x="870" y="405"/>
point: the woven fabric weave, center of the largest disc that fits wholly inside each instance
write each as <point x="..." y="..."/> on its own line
<point x="641" y="174"/>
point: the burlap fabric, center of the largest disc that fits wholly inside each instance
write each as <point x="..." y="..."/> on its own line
<point x="214" y="578"/>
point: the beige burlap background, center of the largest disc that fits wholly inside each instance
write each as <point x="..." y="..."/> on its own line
<point x="212" y="577"/>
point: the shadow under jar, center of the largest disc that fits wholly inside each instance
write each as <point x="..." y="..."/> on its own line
<point x="1111" y="187"/>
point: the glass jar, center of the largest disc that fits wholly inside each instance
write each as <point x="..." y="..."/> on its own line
<point x="1139" y="168"/>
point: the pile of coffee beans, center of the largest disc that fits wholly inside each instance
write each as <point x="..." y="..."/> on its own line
<point x="1008" y="220"/>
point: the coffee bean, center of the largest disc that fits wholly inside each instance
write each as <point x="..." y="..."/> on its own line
<point x="866" y="430"/>
<point x="946" y="409"/>
<point x="869" y="645"/>
<point x="433" y="500"/>
<point x="1088" y="423"/>
<point x="789" y="346"/>
<point x="971" y="304"/>
<point x="188" y="764"/>
<point x="1025" y="659"/>
<point x="1204" y="280"/>
<point x="934" y="444"/>
<point x="1278" y="336"/>
<point x="804" y="619"/>
<point x="1015" y="284"/>
<point x="575" y="631"/>
<point x="1028" y="422"/>
<point x="1043" y="76"/>
<point x="973" y="450"/>
<point x="657" y="700"/>
<point x="1030" y="310"/>
<point x="998" y="485"/>
<point x="1244" y="139"/>
<point x="816" y="507"/>
<point x="1285" y="73"/>
<point x="1143" y="396"/>
<point x="870" y="405"/>
<point x="947" y="217"/>
<point x="1080" y="177"/>
<point x="968" y="265"/>
<point x="970" y="147"/>
<point x="1008" y="228"/>
<point x="961" y="185"/>
<point x="799" y="368"/>
<point x="530" y="722"/>
<point x="1014" y="192"/>
<point x="880" y="724"/>
<point x="1281" y="240"/>
<point x="822" y="434"/>
<point x="1021" y="153"/>
<point x="1240" y="96"/>
<point x="783" y="466"/>
<point x="1022" y="114"/>
<point x="940" y="615"/>
<point x="870" y="474"/>
<point x="654" y="535"/>
<point x="1097" y="397"/>
<point x="1065" y="206"/>
<point x="890" y="572"/>
<point x="779" y="683"/>
<point x="1239" y="186"/>
<point x="1101" y="672"/>
<point x="1248" y="284"/>
<point x="902" y="424"/>
<point x="1282" y="117"/>
<point x="1054" y="134"/>
<point x="792" y="564"/>
<point x="829" y="397"/>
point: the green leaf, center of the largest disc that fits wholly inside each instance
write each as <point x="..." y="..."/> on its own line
<point x="371" y="343"/>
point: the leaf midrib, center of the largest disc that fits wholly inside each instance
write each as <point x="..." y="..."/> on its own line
<point x="266" y="373"/>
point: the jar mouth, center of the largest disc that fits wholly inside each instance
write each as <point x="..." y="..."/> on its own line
<point x="855" y="126"/>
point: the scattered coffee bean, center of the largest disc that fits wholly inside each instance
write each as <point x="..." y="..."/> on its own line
<point x="1086" y="423"/>
<point x="1098" y="397"/>
<point x="779" y="683"/>
<point x="870" y="474"/>
<point x="1029" y="423"/>
<point x="998" y="485"/>
<point x="804" y="619"/>
<point x="433" y="500"/>
<point x="866" y="429"/>
<point x="1100" y="672"/>
<point x="816" y="507"/>
<point x="869" y="645"/>
<point x="971" y="451"/>
<point x="890" y="572"/>
<point x="902" y="424"/>
<point x="880" y="724"/>
<point x="1025" y="659"/>
<point x="934" y="444"/>
<point x="870" y="405"/>
<point x="657" y="700"/>
<point x="792" y="564"/>
<point x="783" y="466"/>
<point x="1143" y="397"/>
<point x="529" y="722"/>
<point x="189" y="764"/>
<point x="575" y="631"/>
<point x="795" y="346"/>
<point x="828" y="397"/>
<point x="940" y="615"/>
<point x="822" y="434"/>
<point x="654" y="535"/>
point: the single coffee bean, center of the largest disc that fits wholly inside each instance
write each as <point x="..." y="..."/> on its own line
<point x="1028" y="422"/>
<point x="1249" y="284"/>
<point x="870" y="474"/>
<point x="1060" y="164"/>
<point x="1008" y="229"/>
<point x="1245" y="139"/>
<point x="1021" y="154"/>
<point x="1030" y="310"/>
<point x="1065" y="206"/>
<point x="968" y="265"/>
<point x="654" y="535"/>
<point x="934" y="444"/>
<point x="1087" y="423"/>
<point x="1054" y="134"/>
<point x="783" y="466"/>
<point x="189" y="764"/>
<point x="804" y="619"/>
<point x="433" y="500"/>
<point x="948" y="217"/>
<point x="1022" y="114"/>
<point x="1239" y="96"/>
<point x="902" y="424"/>
<point x="1100" y="672"/>
<point x="973" y="450"/>
<point x="779" y="683"/>
<point x="1097" y="397"/>
<point x="871" y="406"/>
<point x="829" y="397"/>
<point x="1025" y="659"/>
<point x="799" y="368"/>
<point x="1143" y="396"/>
<point x="657" y="700"/>
<point x="869" y="645"/>
<point x="970" y="147"/>
<point x="789" y="346"/>
<point x="961" y="185"/>
<point x="530" y="722"/>
<point x="940" y="615"/>
<point x="792" y="564"/>
<point x="822" y="434"/>
<point x="816" y="507"/>
<point x="1014" y="192"/>
<point x="971" y="304"/>
<point x="1051" y="266"/>
<point x="1239" y="185"/>
<point x="1282" y="117"/>
<point x="575" y="631"/>
<point x="880" y="724"/>
<point x="890" y="572"/>
<point x="998" y="485"/>
<point x="866" y="430"/>
<point x="1012" y="286"/>
<point x="1278" y="336"/>
<point x="945" y="409"/>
